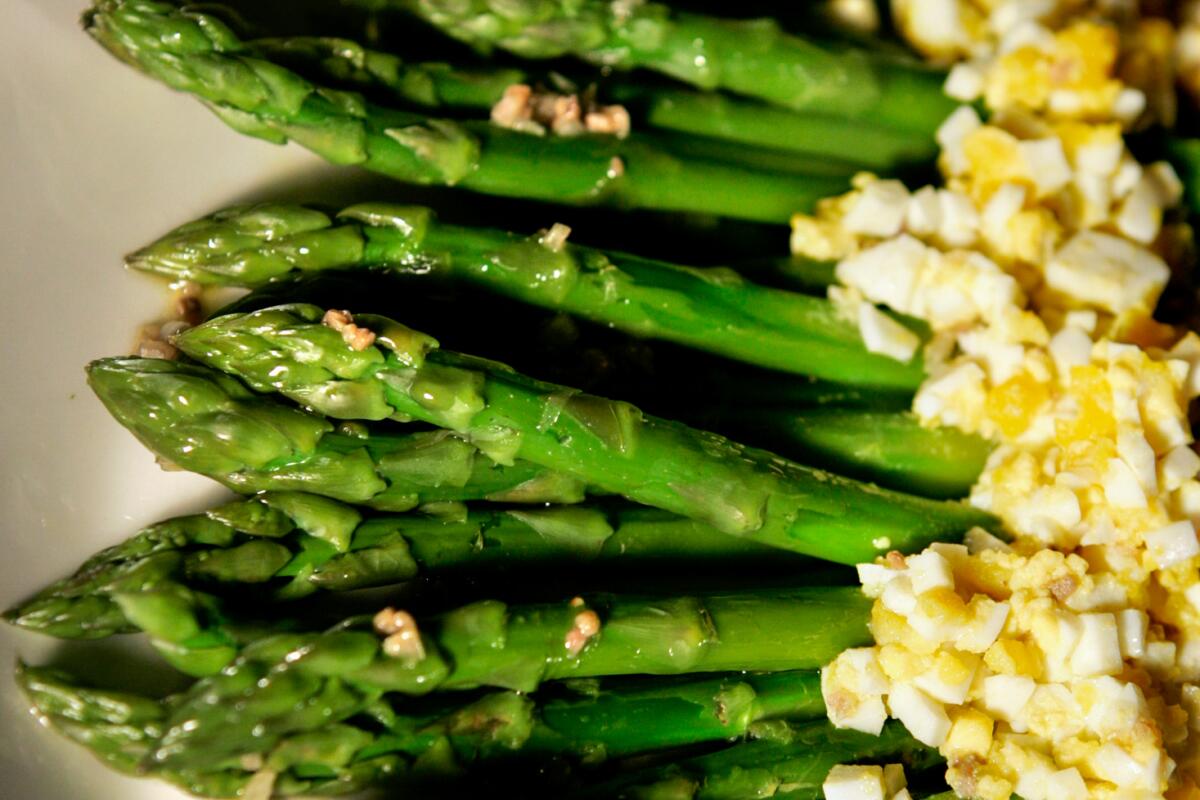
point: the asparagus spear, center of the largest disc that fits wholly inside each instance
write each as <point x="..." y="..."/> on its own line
<point x="872" y="147"/>
<point x="195" y="52"/>
<point x="706" y="114"/>
<point x="208" y="423"/>
<point x="855" y="431"/>
<point x="663" y="378"/>
<point x="613" y="719"/>
<point x="787" y="762"/>
<point x="750" y="57"/>
<point x="892" y="449"/>
<point x="610" y="445"/>
<point x="427" y="85"/>
<point x="711" y="310"/>
<point x="846" y="429"/>
<point x="116" y="726"/>
<point x="292" y="683"/>
<point x="287" y="545"/>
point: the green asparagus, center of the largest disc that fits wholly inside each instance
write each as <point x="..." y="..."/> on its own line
<point x="892" y="449"/>
<point x="116" y="726"/>
<point x="609" y="720"/>
<point x="195" y="52"/>
<point x="750" y="57"/>
<point x="712" y="310"/>
<point x="607" y="444"/>
<point x="663" y="378"/>
<point x="208" y="423"/>
<point x="786" y="762"/>
<point x="849" y="429"/>
<point x="289" y="684"/>
<point x="725" y="117"/>
<point x="706" y="114"/>
<point x="427" y="85"/>
<point x="287" y="545"/>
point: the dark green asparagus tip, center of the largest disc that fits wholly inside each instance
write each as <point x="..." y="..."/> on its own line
<point x="199" y="419"/>
<point x="58" y="695"/>
<point x="85" y="617"/>
<point x="250" y="245"/>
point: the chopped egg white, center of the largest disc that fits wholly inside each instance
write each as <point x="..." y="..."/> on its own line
<point x="866" y="782"/>
<point x="1060" y="660"/>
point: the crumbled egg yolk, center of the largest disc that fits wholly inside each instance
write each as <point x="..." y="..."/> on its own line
<point x="1009" y="54"/>
<point x="1065" y="663"/>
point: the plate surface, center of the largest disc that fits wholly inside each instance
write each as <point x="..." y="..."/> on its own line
<point x="96" y="161"/>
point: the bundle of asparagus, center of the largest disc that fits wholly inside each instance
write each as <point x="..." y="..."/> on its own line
<point x="504" y="438"/>
<point x="712" y="309"/>
<point x="598" y="601"/>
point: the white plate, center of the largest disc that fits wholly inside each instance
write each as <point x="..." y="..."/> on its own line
<point x="94" y="161"/>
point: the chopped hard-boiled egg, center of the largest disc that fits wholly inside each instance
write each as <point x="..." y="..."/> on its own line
<point x="1060" y="660"/>
<point x="866" y="782"/>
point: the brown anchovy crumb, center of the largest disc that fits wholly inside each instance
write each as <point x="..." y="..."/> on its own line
<point x="357" y="338"/>
<point x="521" y="108"/>
<point x="403" y="638"/>
<point x="586" y="625"/>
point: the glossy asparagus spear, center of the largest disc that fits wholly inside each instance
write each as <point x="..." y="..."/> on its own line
<point x="428" y="85"/>
<point x="722" y="116"/>
<point x="712" y="310"/>
<point x="288" y="684"/>
<point x="117" y="726"/>
<point x="709" y="114"/>
<point x="749" y="57"/>
<point x="179" y="580"/>
<point x="891" y="449"/>
<point x="195" y="52"/>
<point x="787" y="762"/>
<point x="852" y="430"/>
<point x="608" y="444"/>
<point x="206" y="422"/>
<point x="663" y="378"/>
<point x="610" y="720"/>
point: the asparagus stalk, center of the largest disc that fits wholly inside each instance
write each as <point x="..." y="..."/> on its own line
<point x="663" y="378"/>
<point x="851" y="430"/>
<point x="289" y="684"/>
<point x="749" y="57"/>
<point x="287" y="545"/>
<point x="787" y="762"/>
<point x="427" y="85"/>
<point x="706" y="114"/>
<point x="891" y="449"/>
<point x="612" y="720"/>
<point x="607" y="444"/>
<point x="208" y="423"/>
<point x="711" y="310"/>
<point x="195" y="52"/>
<point x="116" y="726"/>
<point x="854" y="431"/>
<point x="723" y="116"/>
